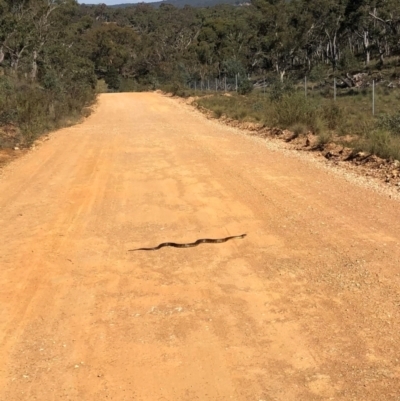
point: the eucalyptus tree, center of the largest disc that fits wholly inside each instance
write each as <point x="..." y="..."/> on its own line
<point x="283" y="32"/>
<point x="26" y="29"/>
<point x="386" y="18"/>
<point x="360" y="22"/>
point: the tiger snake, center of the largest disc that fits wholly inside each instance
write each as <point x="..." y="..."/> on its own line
<point x="190" y="244"/>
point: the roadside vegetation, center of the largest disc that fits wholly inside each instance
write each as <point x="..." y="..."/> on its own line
<point x="55" y="55"/>
<point x="347" y="121"/>
<point x="46" y="81"/>
<point x="28" y="109"/>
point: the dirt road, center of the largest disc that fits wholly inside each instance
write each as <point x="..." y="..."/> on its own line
<point x="306" y="307"/>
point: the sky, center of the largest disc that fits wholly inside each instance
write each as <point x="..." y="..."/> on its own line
<point x="111" y="2"/>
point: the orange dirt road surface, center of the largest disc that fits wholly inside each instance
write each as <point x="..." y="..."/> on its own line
<point x="306" y="307"/>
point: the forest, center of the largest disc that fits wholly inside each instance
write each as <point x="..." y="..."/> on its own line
<point x="55" y="55"/>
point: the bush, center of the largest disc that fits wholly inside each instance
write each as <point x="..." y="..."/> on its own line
<point x="245" y="87"/>
<point x="232" y="67"/>
<point x="382" y="144"/>
<point x="318" y="73"/>
<point x="128" y="85"/>
<point x="174" y="88"/>
<point x="332" y="115"/>
<point x="258" y="106"/>
<point x="34" y="109"/>
<point x="348" y="61"/>
<point x="324" y="137"/>
<point x="298" y="129"/>
<point x="293" y="109"/>
<point x="101" y="86"/>
<point x="113" y="79"/>
<point x="218" y="113"/>
<point x="279" y="89"/>
<point x="390" y="123"/>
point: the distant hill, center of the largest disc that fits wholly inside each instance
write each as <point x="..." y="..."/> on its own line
<point x="192" y="3"/>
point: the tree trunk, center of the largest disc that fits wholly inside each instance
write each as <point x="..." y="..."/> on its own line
<point x="366" y="47"/>
<point x="34" y="66"/>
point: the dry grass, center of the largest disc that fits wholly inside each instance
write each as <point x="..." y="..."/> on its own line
<point x="351" y="114"/>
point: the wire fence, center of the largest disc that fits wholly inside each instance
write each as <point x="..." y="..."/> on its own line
<point x="224" y="84"/>
<point x="263" y="85"/>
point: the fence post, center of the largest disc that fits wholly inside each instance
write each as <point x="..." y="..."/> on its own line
<point x="334" y="89"/>
<point x="373" y="97"/>
<point x="305" y="86"/>
<point x="236" y="82"/>
<point x="225" y="83"/>
<point x="194" y="86"/>
<point x="216" y="84"/>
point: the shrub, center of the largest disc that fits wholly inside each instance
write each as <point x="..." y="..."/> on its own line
<point x="258" y="106"/>
<point x="318" y="73"/>
<point x="218" y="113"/>
<point x="348" y="61"/>
<point x="245" y="87"/>
<point x="174" y="88"/>
<point x="390" y="123"/>
<point x="293" y="109"/>
<point x="33" y="109"/>
<point x="324" y="137"/>
<point x="279" y="89"/>
<point x="381" y="143"/>
<point x="332" y="115"/>
<point x="299" y="129"/>
<point x="113" y="79"/>
<point x="101" y="86"/>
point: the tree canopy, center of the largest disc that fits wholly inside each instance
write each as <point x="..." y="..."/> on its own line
<point x="62" y="47"/>
<point x="42" y="37"/>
